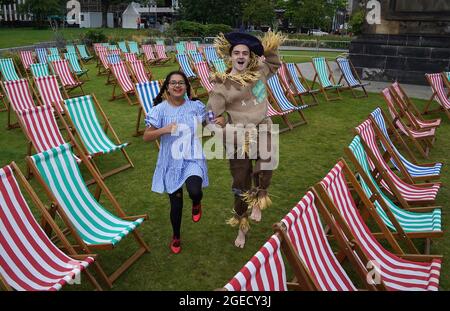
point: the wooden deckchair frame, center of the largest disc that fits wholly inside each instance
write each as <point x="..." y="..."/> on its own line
<point x="48" y="222"/>
<point x="368" y="210"/>
<point x="303" y="279"/>
<point x="422" y="144"/>
<point x="430" y="101"/>
<point x="70" y="126"/>
<point x="141" y="111"/>
<point x="68" y="89"/>
<point x="87" y="249"/>
<point x="161" y="61"/>
<point x="304" y="82"/>
<point x="81" y="64"/>
<point x="116" y="83"/>
<point x="330" y="77"/>
<point x="356" y="76"/>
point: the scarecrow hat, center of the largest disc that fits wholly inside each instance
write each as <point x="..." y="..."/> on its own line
<point x="253" y="43"/>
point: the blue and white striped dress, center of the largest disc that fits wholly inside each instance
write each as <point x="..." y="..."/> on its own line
<point x="180" y="154"/>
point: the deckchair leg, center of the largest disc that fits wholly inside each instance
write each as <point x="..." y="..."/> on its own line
<point x="92" y="280"/>
<point x="425" y="110"/>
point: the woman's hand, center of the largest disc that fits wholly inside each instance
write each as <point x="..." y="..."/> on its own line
<point x="170" y="128"/>
<point x="220" y="120"/>
<point x="152" y="133"/>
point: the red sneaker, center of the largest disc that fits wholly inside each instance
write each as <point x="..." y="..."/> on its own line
<point x="196" y="213"/>
<point x="175" y="245"/>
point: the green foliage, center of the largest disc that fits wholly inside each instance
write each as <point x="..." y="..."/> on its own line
<point x="211" y="11"/>
<point x="356" y="22"/>
<point x="41" y="9"/>
<point x="212" y="30"/>
<point x="258" y="12"/>
<point x="194" y="29"/>
<point x="93" y="36"/>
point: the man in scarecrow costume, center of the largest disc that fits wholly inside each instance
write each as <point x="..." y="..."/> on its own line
<point x="240" y="93"/>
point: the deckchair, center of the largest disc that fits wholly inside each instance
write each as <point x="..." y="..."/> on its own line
<point x="138" y="71"/>
<point x="134" y="48"/>
<point x="26" y="57"/>
<point x="402" y="190"/>
<point x="196" y="57"/>
<point x="80" y="117"/>
<point x="265" y="271"/>
<point x="190" y="46"/>
<point x="149" y="54"/>
<point x="424" y="224"/>
<point x="161" y="53"/>
<point x="423" y="171"/>
<point x="146" y="91"/>
<point x="84" y="53"/>
<point x="415" y="115"/>
<point x="180" y="47"/>
<point x="396" y="270"/>
<point x="53" y="51"/>
<point x="309" y="253"/>
<point x="114" y="49"/>
<point x="90" y="224"/>
<point x="350" y="76"/>
<point x="68" y="81"/>
<point x="202" y="70"/>
<point x="49" y="92"/>
<point x="272" y="112"/>
<point x="71" y="49"/>
<point x="159" y="42"/>
<point x="299" y="84"/>
<point x="39" y="70"/>
<point x="219" y="65"/>
<point x="29" y="260"/>
<point x="75" y="65"/>
<point x="422" y="139"/>
<point x="437" y="85"/>
<point x="123" y="80"/>
<point x="129" y="57"/>
<point x="53" y="57"/>
<point x="103" y="63"/>
<point x="113" y="58"/>
<point x="123" y="46"/>
<point x="325" y="78"/>
<point x="183" y="61"/>
<point x="280" y="98"/>
<point x="7" y="70"/>
<point x="210" y="54"/>
<point x="20" y="97"/>
<point x="41" y="54"/>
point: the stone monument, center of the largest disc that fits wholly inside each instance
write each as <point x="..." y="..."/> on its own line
<point x="412" y="38"/>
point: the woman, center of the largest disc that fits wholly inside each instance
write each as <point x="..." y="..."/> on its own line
<point x="174" y="121"/>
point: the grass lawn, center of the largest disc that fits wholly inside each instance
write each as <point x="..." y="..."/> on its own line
<point x="209" y="259"/>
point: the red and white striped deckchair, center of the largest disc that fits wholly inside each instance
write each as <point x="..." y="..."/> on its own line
<point x="190" y="46"/>
<point x="149" y="54"/>
<point x="305" y="246"/>
<point x="103" y="65"/>
<point x="422" y="139"/>
<point x="202" y="70"/>
<point x="129" y="57"/>
<point x="265" y="271"/>
<point x="161" y="53"/>
<point x="272" y="112"/>
<point x="49" y="91"/>
<point x="415" y="115"/>
<point x="395" y="271"/>
<point x="124" y="81"/>
<point x="68" y="81"/>
<point x="19" y="97"/>
<point x="437" y="85"/>
<point x="138" y="71"/>
<point x="403" y="191"/>
<point x="29" y="260"/>
<point x="26" y="57"/>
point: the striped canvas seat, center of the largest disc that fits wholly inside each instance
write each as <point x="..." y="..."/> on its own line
<point x="347" y="72"/>
<point x="159" y="42"/>
<point x="93" y="223"/>
<point x="74" y="64"/>
<point x="134" y="48"/>
<point x="196" y="57"/>
<point x="203" y="72"/>
<point x="161" y="51"/>
<point x="307" y="236"/>
<point x="413" y="169"/>
<point x="123" y="78"/>
<point x="190" y="46"/>
<point x="71" y="49"/>
<point x="284" y="77"/>
<point x="103" y="56"/>
<point x="409" y="221"/>
<point x="265" y="271"/>
<point x="147" y="91"/>
<point x="410" y="193"/>
<point x="19" y="94"/>
<point x="62" y="70"/>
<point x="83" y="115"/>
<point x="323" y="73"/>
<point x="138" y="69"/>
<point x="39" y="70"/>
<point x="123" y="46"/>
<point x="271" y="112"/>
<point x="53" y="51"/>
<point x="184" y="65"/>
<point x="278" y="92"/>
<point x="181" y="49"/>
<point x="130" y="57"/>
<point x="113" y="59"/>
<point x="396" y="273"/>
<point x="8" y="70"/>
<point x="27" y="59"/>
<point x="437" y="84"/>
<point x="149" y="54"/>
<point x="41" y="55"/>
<point x="295" y="79"/>
<point x="219" y="65"/>
<point x="49" y="91"/>
<point x="53" y="57"/>
<point x="210" y="53"/>
<point x="113" y="48"/>
<point x="83" y="52"/>
<point x="29" y="260"/>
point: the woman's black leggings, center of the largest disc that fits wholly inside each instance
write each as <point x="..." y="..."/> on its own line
<point x="194" y="188"/>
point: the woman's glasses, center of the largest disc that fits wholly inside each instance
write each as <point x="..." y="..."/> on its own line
<point x="175" y="83"/>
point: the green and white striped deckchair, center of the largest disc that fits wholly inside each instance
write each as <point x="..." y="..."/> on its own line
<point x="159" y="42"/>
<point x="93" y="225"/>
<point x="415" y="224"/>
<point x="8" y="70"/>
<point x="75" y="65"/>
<point x="123" y="46"/>
<point x="95" y="142"/>
<point x="39" y="70"/>
<point x="134" y="47"/>
<point x="84" y="53"/>
<point x="53" y="51"/>
<point x="181" y="49"/>
<point x="325" y="77"/>
<point x="53" y="57"/>
<point x="71" y="49"/>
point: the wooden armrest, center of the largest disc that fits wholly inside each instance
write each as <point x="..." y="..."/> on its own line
<point x="133" y="218"/>
<point x="421" y="258"/>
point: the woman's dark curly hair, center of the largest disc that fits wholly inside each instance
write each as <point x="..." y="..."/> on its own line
<point x="159" y="98"/>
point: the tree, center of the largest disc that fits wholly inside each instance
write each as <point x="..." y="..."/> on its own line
<point x="41" y="9"/>
<point x="259" y="12"/>
<point x="212" y="11"/>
